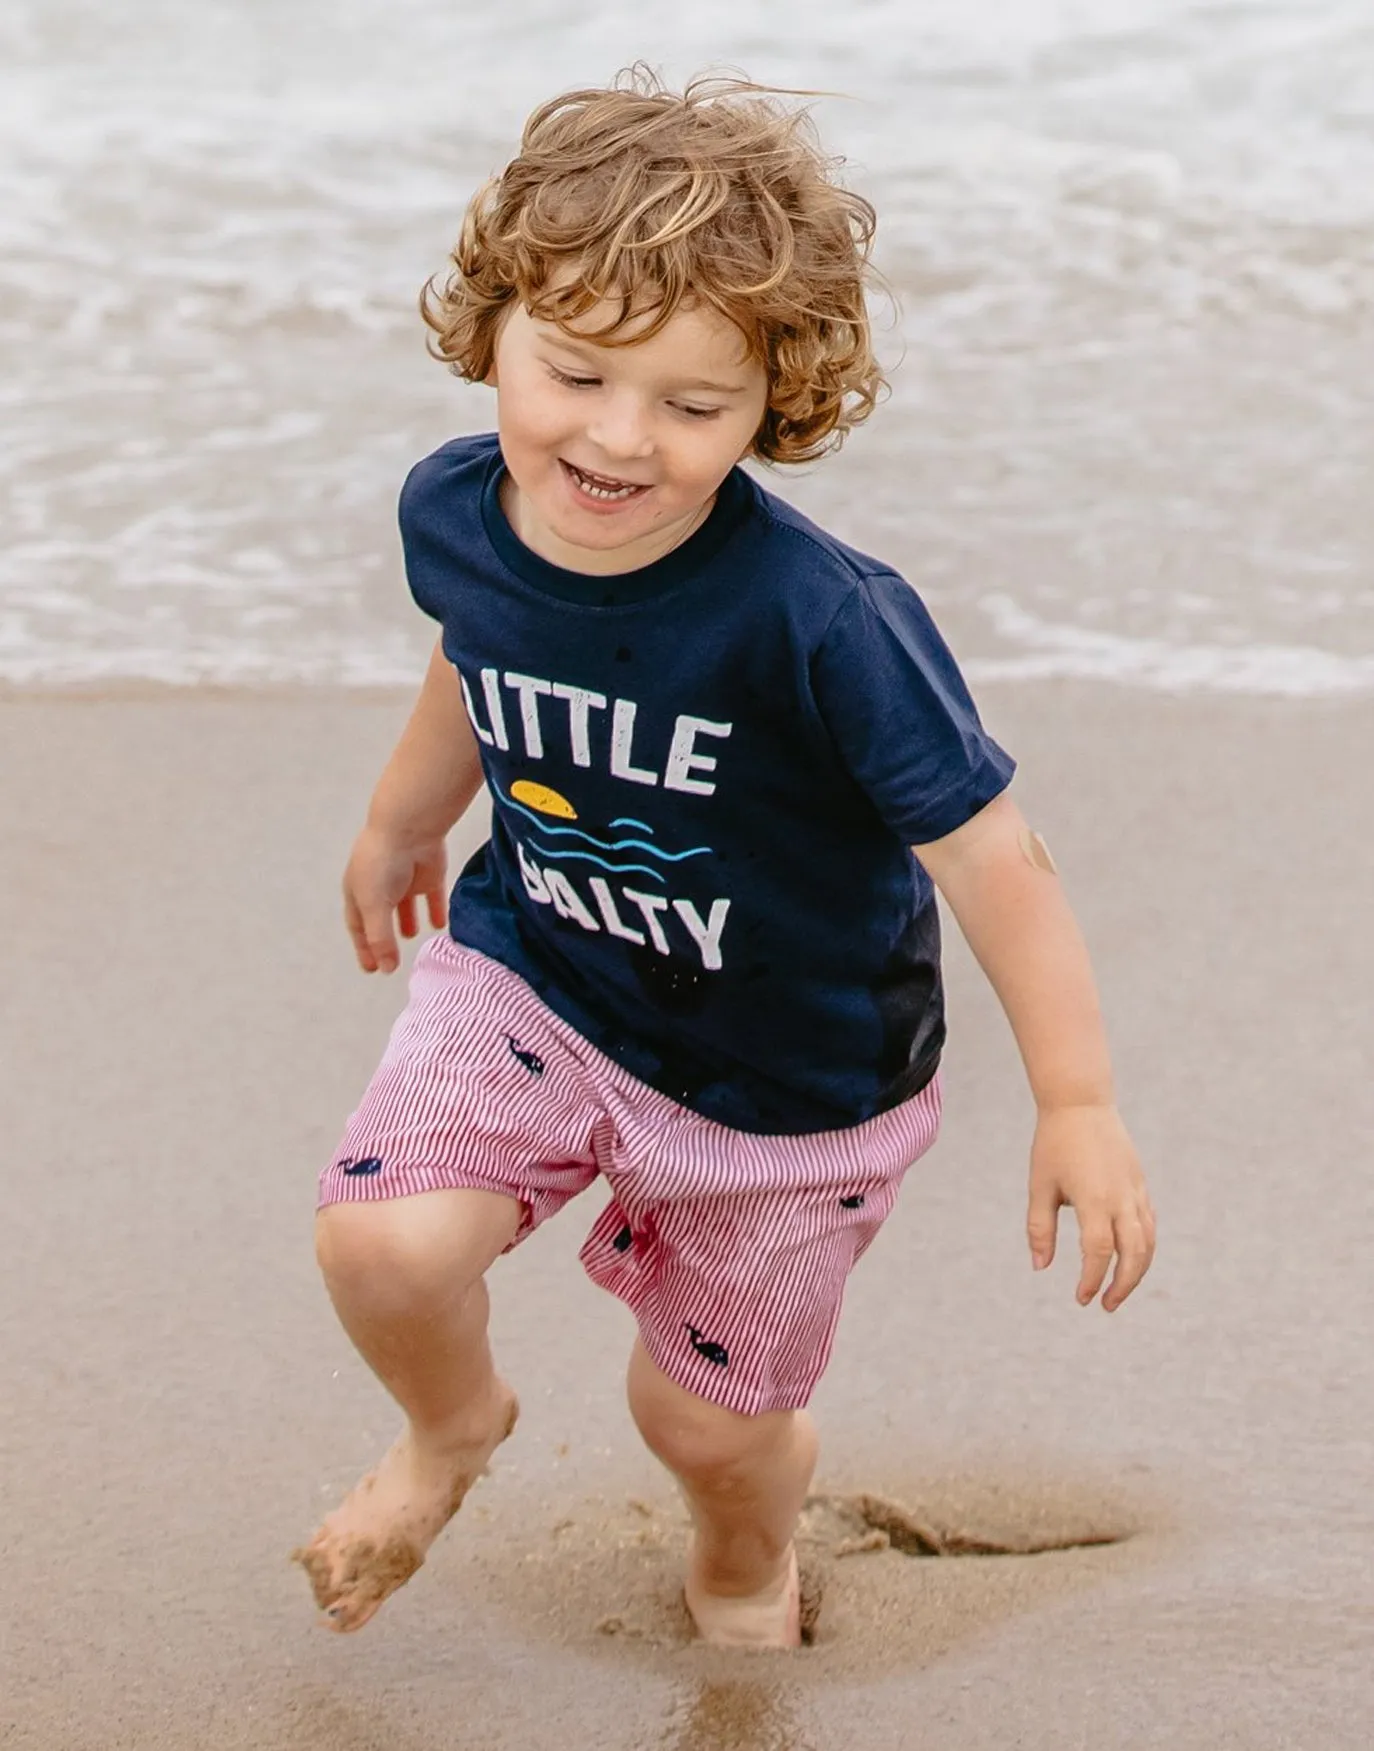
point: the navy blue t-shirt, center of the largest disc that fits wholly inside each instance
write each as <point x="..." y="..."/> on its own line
<point x="706" y="775"/>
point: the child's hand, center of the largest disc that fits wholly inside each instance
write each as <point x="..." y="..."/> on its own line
<point x="386" y="876"/>
<point x="1082" y="1156"/>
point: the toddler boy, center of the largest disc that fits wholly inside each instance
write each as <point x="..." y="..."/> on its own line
<point x="730" y="762"/>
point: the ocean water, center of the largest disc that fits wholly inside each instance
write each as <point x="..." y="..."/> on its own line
<point x="1132" y="243"/>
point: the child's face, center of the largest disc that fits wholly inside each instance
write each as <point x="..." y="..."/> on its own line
<point x="614" y="454"/>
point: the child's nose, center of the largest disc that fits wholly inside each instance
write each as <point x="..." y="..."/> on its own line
<point x="620" y="429"/>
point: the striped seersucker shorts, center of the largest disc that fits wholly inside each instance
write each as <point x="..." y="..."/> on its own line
<point x="732" y="1249"/>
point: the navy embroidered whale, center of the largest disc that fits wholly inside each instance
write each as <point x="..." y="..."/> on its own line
<point x="716" y="1353"/>
<point x="531" y="1060"/>
<point x="853" y="1202"/>
<point x="369" y="1164"/>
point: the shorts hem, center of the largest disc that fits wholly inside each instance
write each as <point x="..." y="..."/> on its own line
<point x="716" y="1387"/>
<point x="336" y="1187"/>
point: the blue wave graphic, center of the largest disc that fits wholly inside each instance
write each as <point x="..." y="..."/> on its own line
<point x="654" y="875"/>
<point x="601" y="844"/>
<point x="625" y="821"/>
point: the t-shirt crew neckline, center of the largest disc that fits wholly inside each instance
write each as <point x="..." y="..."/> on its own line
<point x="734" y="499"/>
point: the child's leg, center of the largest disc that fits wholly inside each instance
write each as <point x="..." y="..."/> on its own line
<point x="406" y="1279"/>
<point x="745" y="1479"/>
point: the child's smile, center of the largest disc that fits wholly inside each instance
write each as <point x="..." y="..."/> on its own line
<point x="602" y="492"/>
<point x="614" y="453"/>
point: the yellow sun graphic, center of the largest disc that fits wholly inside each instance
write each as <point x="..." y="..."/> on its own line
<point x="539" y="796"/>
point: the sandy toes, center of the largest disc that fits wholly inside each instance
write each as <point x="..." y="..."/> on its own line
<point x="374" y="1542"/>
<point x="771" y="1619"/>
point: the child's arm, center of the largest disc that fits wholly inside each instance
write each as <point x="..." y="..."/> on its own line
<point x="1002" y="888"/>
<point x="399" y="857"/>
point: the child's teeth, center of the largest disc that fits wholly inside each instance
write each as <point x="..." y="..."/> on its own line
<point x="603" y="492"/>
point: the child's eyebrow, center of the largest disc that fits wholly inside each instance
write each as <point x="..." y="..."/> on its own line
<point x="595" y="357"/>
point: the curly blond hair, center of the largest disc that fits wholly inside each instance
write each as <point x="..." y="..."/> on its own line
<point x="720" y="196"/>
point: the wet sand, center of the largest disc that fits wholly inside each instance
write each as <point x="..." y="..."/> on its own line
<point x="182" y="1033"/>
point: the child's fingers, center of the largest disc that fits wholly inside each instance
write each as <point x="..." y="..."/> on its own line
<point x="1099" y="1248"/>
<point x="380" y="940"/>
<point x="1042" y="1225"/>
<point x="1135" y="1251"/>
<point x="353" y="923"/>
<point x="436" y="907"/>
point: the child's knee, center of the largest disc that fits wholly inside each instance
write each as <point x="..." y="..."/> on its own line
<point x="412" y="1254"/>
<point x="698" y="1439"/>
<point x="365" y="1254"/>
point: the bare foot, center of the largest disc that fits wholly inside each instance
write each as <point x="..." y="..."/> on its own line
<point x="769" y="1619"/>
<point x="374" y="1542"/>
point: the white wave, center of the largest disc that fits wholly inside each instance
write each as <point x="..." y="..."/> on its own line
<point x="1060" y="650"/>
<point x="1050" y="651"/>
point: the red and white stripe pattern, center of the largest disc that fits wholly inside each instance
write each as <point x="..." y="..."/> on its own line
<point x="731" y="1248"/>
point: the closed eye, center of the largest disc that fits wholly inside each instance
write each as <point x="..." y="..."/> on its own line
<point x="570" y="382"/>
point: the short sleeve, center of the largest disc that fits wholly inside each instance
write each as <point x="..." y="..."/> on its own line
<point x="901" y="716"/>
